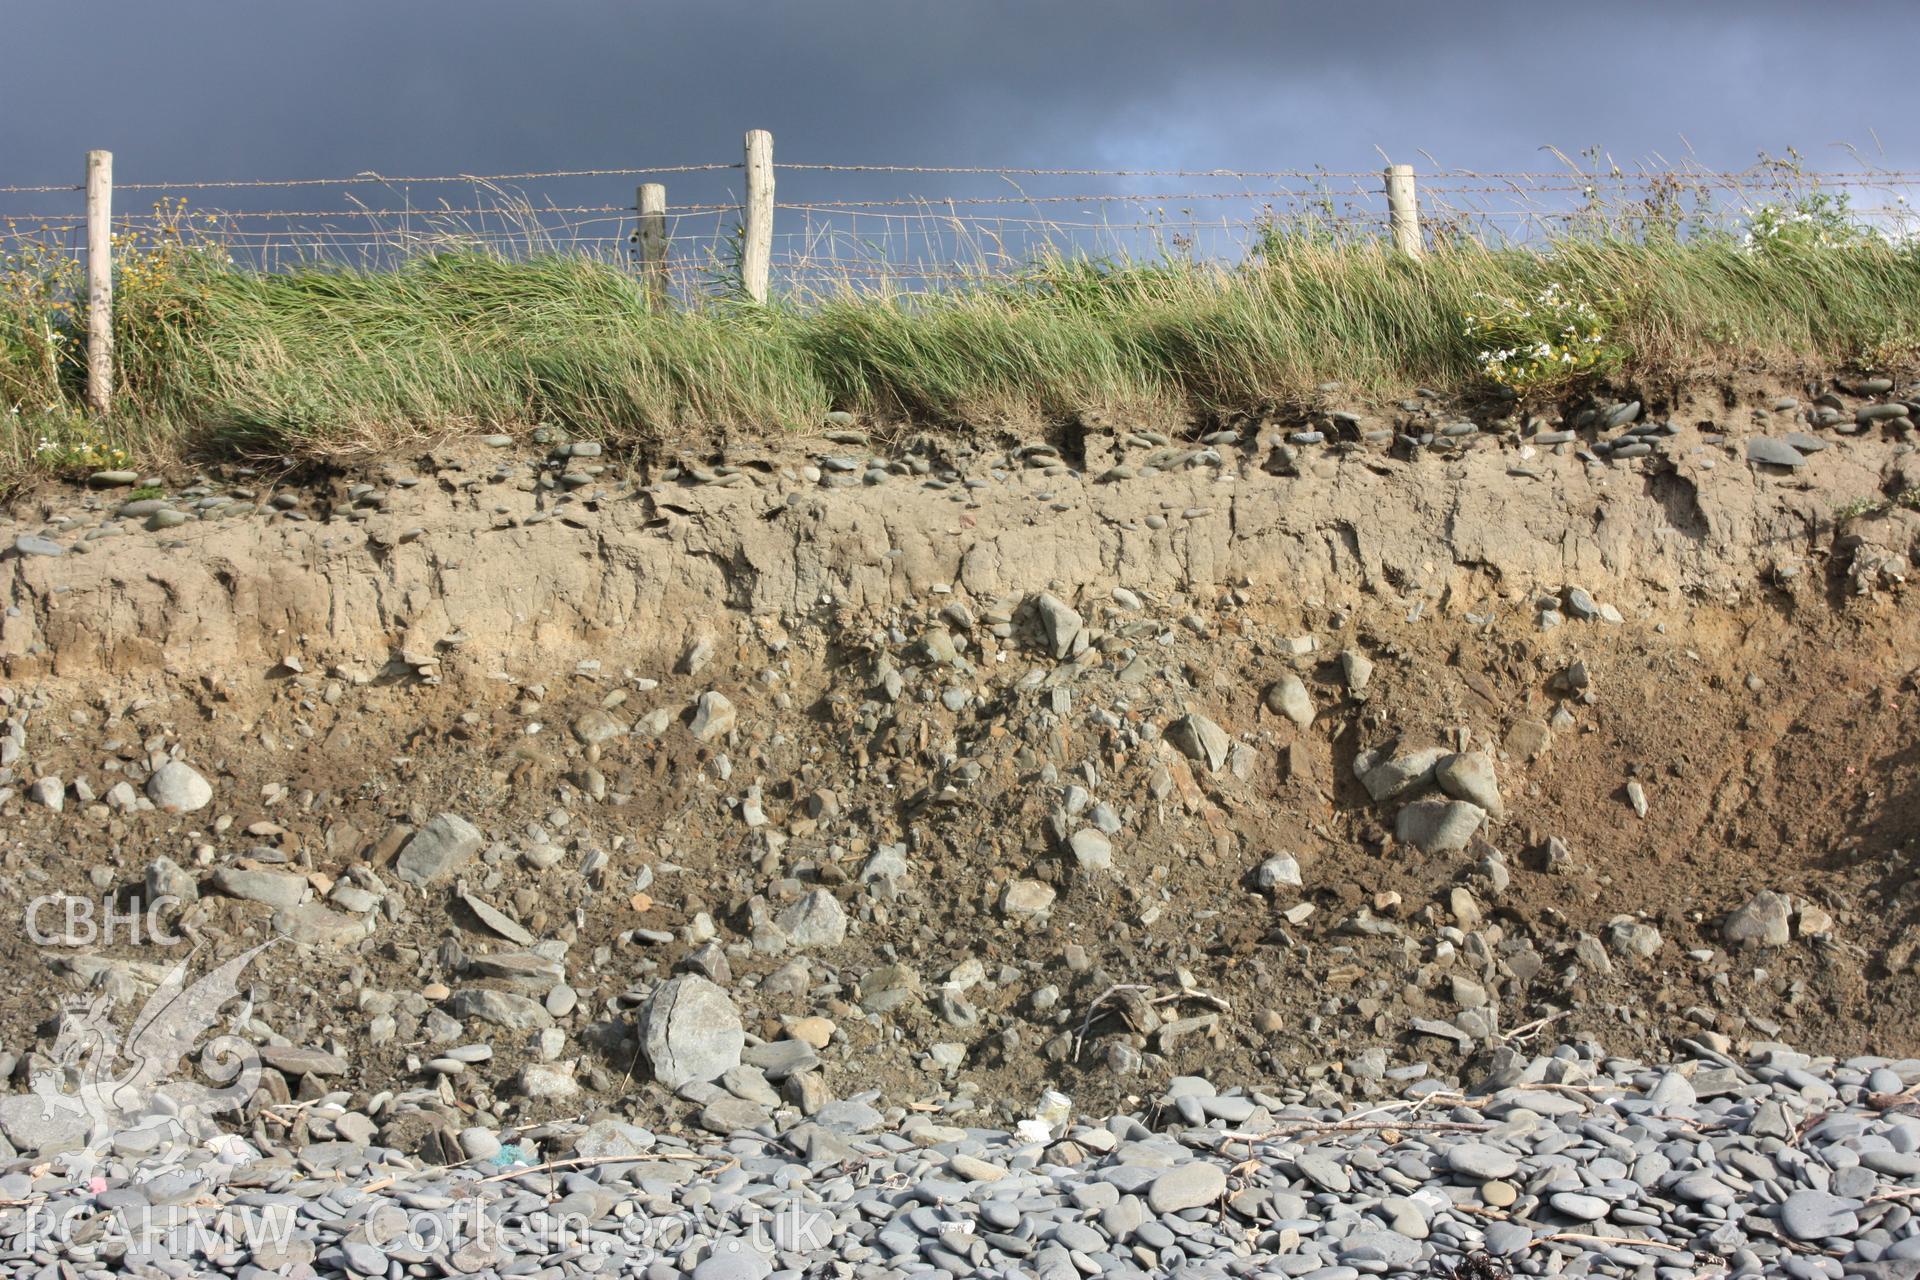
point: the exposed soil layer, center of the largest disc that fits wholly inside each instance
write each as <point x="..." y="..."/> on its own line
<point x="457" y="639"/>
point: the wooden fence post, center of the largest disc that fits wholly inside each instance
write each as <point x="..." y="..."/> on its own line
<point x="99" y="280"/>
<point x="756" y="257"/>
<point x="1403" y="209"/>
<point x="652" y="202"/>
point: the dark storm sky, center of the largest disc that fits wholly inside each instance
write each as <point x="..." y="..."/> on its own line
<point x="209" y="89"/>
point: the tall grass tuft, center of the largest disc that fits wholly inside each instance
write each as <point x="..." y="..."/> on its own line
<point x="327" y="361"/>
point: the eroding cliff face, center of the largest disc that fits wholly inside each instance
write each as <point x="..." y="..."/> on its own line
<point x="476" y="568"/>
<point x="952" y="766"/>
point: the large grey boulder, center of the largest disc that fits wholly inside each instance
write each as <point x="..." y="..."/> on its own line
<point x="275" y="888"/>
<point x="817" y="920"/>
<point x="1469" y="776"/>
<point x="1282" y="871"/>
<point x="1774" y="453"/>
<point x="713" y="716"/>
<point x="690" y="1030"/>
<point x="1198" y="738"/>
<point x="177" y="787"/>
<point x="1092" y="851"/>
<point x="1395" y="777"/>
<point x="1438" y="826"/>
<point x="1764" y="920"/>
<point x="313" y="924"/>
<point x="1060" y="622"/>
<point x="438" y="849"/>
<point x="31" y="1125"/>
<point x="1288" y="697"/>
<point x="502" y="1008"/>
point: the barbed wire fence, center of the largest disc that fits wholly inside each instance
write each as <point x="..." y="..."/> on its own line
<point x="959" y="235"/>
<point x="757" y="227"/>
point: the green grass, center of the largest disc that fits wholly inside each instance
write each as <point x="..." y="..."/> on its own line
<point x="1863" y="507"/>
<point x="330" y="363"/>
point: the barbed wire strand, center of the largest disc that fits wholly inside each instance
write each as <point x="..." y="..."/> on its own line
<point x="926" y="203"/>
<point x="1771" y="175"/>
<point x="370" y="178"/>
<point x="529" y="220"/>
<point x="1757" y="176"/>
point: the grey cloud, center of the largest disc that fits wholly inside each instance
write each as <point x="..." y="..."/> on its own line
<point x="241" y="88"/>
